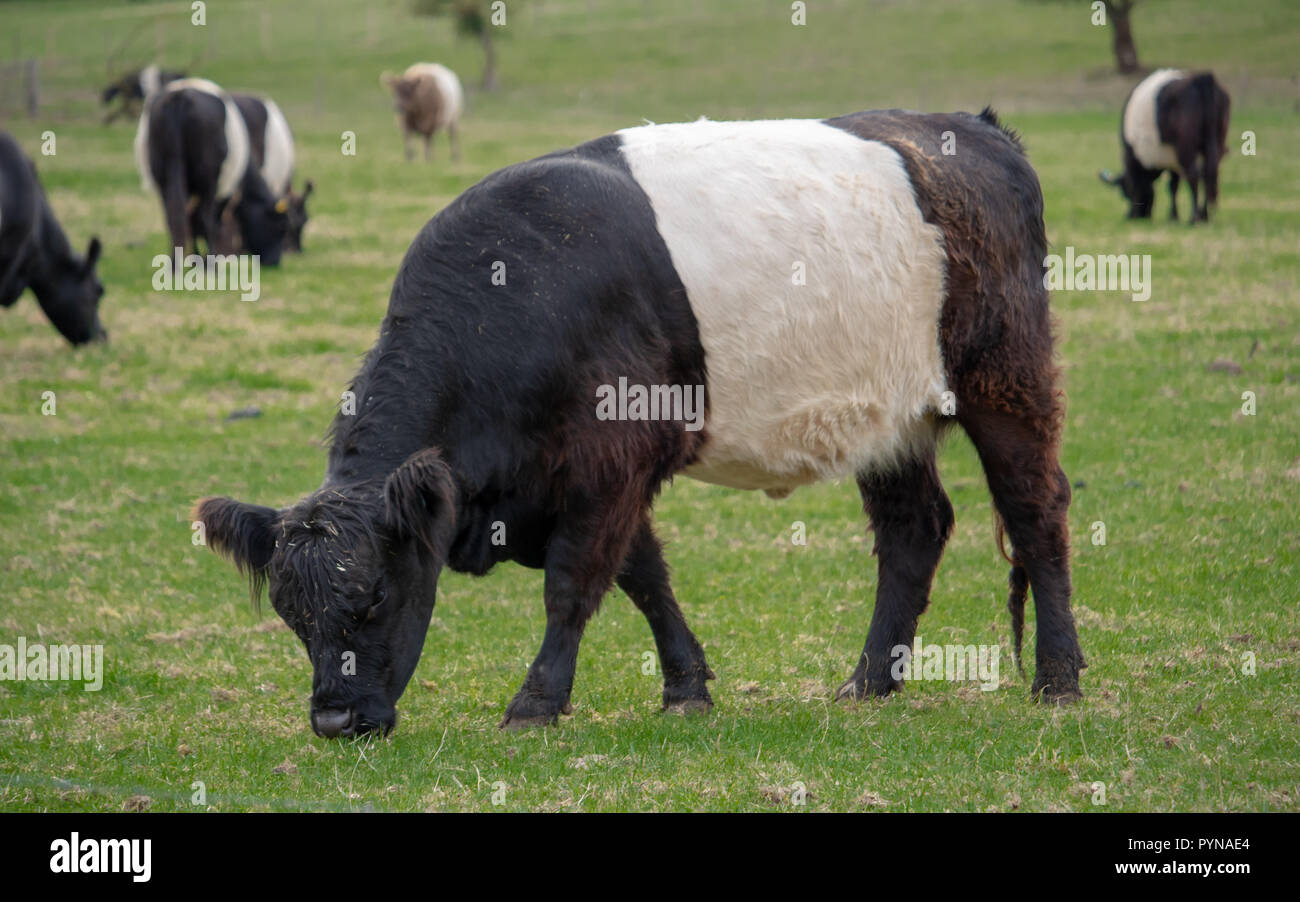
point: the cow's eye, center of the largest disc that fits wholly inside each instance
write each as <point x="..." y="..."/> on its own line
<point x="381" y="595"/>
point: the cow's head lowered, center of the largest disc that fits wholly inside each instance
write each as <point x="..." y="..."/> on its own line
<point x="263" y="222"/>
<point x="296" y="217"/>
<point x="352" y="570"/>
<point x="405" y="90"/>
<point x="70" y="292"/>
<point x="1122" y="181"/>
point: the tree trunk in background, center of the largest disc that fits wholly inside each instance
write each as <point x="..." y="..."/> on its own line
<point x="490" y="60"/>
<point x="1126" y="53"/>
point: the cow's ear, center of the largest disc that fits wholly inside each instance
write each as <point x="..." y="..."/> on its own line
<point x="92" y="256"/>
<point x="243" y="533"/>
<point x="420" y="502"/>
<point x="307" y="189"/>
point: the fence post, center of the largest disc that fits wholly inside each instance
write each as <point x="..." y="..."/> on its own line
<point x="33" y="89"/>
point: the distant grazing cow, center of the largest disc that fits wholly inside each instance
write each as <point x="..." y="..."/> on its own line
<point x="135" y="88"/>
<point x="1176" y="121"/>
<point x="271" y="148"/>
<point x="428" y="97"/>
<point x="839" y="291"/>
<point x="34" y="253"/>
<point x="192" y="148"/>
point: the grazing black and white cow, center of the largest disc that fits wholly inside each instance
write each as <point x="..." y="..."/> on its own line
<point x="832" y="287"/>
<point x="1175" y="121"/>
<point x="35" y="254"/>
<point x="270" y="145"/>
<point x="192" y="148"/>
<point x="136" y="87"/>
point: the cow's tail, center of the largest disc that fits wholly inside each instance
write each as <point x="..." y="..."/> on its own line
<point x="1211" y="102"/>
<point x="167" y="145"/>
<point x="1018" y="583"/>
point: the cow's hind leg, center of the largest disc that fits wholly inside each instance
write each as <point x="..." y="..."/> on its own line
<point x="585" y="552"/>
<point x="1191" y="166"/>
<point x="1142" y="201"/>
<point x="1173" y="195"/>
<point x="912" y="518"/>
<point x="216" y="221"/>
<point x="645" y="579"/>
<point x="1018" y="450"/>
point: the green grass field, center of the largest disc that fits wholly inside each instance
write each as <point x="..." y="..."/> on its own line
<point x="1198" y="575"/>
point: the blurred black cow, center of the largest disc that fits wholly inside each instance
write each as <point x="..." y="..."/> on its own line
<point x="35" y="254"/>
<point x="134" y="88"/>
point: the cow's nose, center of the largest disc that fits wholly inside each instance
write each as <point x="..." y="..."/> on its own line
<point x="332" y="723"/>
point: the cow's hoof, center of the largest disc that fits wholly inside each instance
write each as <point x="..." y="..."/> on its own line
<point x="1054" y="696"/>
<point x="857" y="688"/>
<point x="685" y="706"/>
<point x="687" y="696"/>
<point x="532" y="711"/>
<point x="528" y="721"/>
<point x="852" y="689"/>
<point x="1061" y="690"/>
<point x="1056" y="680"/>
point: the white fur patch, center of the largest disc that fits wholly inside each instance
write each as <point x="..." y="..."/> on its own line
<point x="812" y="381"/>
<point x="142" y="150"/>
<point x="1141" y="130"/>
<point x="150" y="80"/>
<point x="277" y="157"/>
<point x="236" y="161"/>
<point x="448" y="86"/>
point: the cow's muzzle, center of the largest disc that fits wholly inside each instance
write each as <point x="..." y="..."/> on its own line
<point x="332" y="724"/>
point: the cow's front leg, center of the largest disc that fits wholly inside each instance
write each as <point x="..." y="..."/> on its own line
<point x="911" y="517"/>
<point x="544" y="696"/>
<point x="453" y="137"/>
<point x="645" y="580"/>
<point x="585" y="552"/>
<point x="212" y="218"/>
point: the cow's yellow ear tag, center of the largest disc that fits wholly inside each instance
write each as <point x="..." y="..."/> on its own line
<point x="281" y="205"/>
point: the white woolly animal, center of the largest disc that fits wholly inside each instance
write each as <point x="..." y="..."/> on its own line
<point x="448" y="88"/>
<point x="817" y="286"/>
<point x="236" y="161"/>
<point x="1141" y="130"/>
